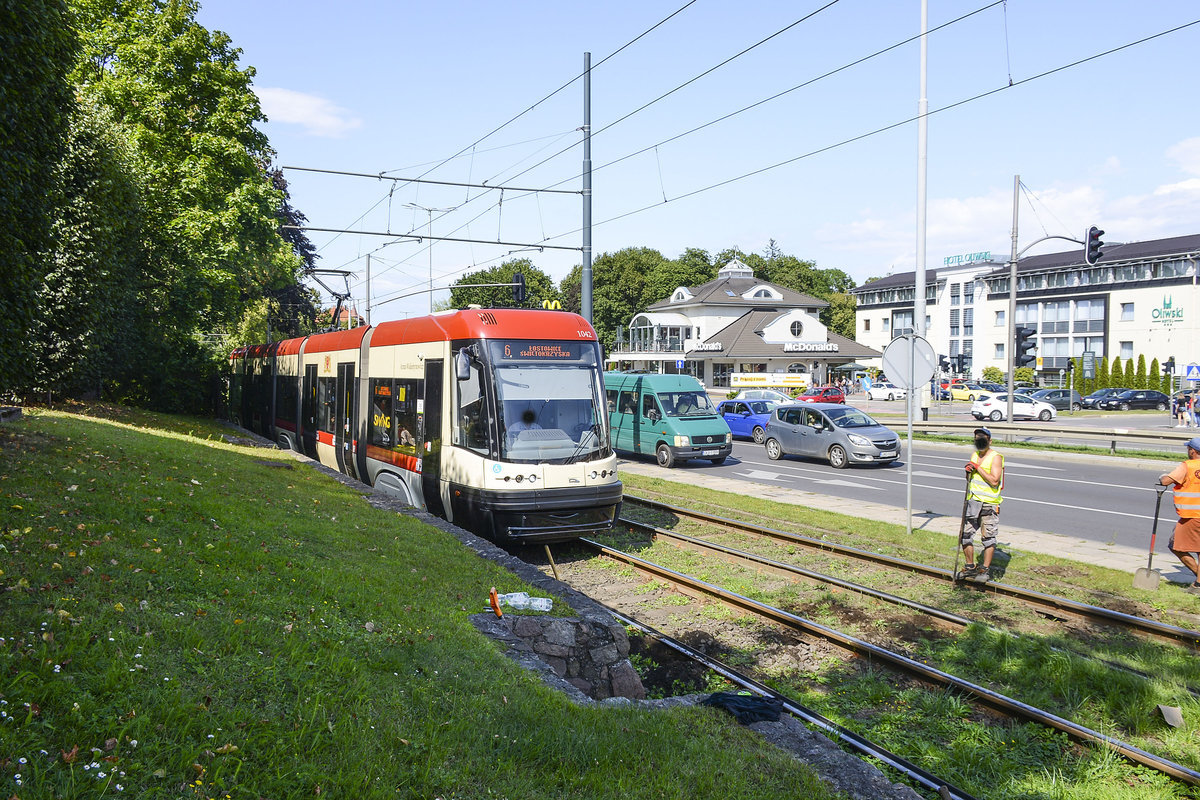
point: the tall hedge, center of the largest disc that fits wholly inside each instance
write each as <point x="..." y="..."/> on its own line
<point x="37" y="49"/>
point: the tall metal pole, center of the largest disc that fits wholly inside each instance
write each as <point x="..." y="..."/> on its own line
<point x="368" y="290"/>
<point x="918" y="326"/>
<point x="585" y="299"/>
<point x="1012" y="299"/>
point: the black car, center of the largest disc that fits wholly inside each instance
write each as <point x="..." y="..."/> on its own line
<point x="1061" y="399"/>
<point x="1093" y="399"/>
<point x="1136" y="398"/>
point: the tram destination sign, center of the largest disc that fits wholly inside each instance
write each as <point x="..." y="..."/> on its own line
<point x="515" y="351"/>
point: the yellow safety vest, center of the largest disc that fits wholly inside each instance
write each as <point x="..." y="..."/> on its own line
<point x="978" y="488"/>
<point x="1187" y="495"/>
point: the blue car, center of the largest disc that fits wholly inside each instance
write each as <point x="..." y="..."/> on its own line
<point x="747" y="418"/>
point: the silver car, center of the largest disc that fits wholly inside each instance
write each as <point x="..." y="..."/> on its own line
<point x="840" y="434"/>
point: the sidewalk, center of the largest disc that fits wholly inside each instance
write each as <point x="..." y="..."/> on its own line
<point x="1126" y="559"/>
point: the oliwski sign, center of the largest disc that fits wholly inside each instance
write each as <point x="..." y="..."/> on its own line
<point x="1168" y="314"/>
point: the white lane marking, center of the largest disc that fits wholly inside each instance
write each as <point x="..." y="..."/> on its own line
<point x="1008" y="498"/>
<point x="839" y="482"/>
<point x="760" y="475"/>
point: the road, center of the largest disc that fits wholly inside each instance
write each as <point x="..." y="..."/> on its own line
<point x="1100" y="499"/>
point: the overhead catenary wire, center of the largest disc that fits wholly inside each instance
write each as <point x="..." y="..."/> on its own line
<point x="891" y="126"/>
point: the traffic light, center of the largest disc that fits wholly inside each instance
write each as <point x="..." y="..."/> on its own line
<point x="1168" y="366"/>
<point x="959" y="362"/>
<point x="944" y="363"/>
<point x="1092" y="245"/>
<point x="1025" y="342"/>
<point x="518" y="287"/>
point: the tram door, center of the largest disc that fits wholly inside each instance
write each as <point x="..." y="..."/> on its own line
<point x="308" y="412"/>
<point x="343" y="429"/>
<point x="431" y="438"/>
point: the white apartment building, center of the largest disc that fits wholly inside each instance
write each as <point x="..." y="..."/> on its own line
<point x="1141" y="298"/>
<point x="737" y="331"/>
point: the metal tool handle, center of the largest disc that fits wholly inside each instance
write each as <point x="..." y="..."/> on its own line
<point x="1154" y="530"/>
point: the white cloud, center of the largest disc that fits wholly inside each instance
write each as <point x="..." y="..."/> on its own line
<point x="1187" y="155"/>
<point x="318" y="116"/>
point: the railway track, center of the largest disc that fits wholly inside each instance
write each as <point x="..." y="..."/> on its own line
<point x="897" y="661"/>
<point x="858" y="744"/>
<point x="1091" y="613"/>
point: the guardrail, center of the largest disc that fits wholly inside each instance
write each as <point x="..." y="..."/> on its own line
<point x="1009" y="432"/>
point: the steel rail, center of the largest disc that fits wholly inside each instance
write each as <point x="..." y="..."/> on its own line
<point x="1141" y="624"/>
<point x="996" y="700"/>
<point x="680" y="540"/>
<point x="858" y="743"/>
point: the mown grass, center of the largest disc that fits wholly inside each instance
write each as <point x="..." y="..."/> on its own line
<point x="181" y="617"/>
<point x="988" y="755"/>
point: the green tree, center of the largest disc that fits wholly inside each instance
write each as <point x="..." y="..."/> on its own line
<point x="621" y="289"/>
<point x="211" y="231"/>
<point x="839" y="316"/>
<point x="1116" y="373"/>
<point x="37" y="49"/>
<point x="1101" y="380"/>
<point x="1024" y="374"/>
<point x="1154" y="376"/>
<point x="1139" y="377"/>
<point x="1130" y="378"/>
<point x="538" y="286"/>
<point x="570" y="289"/>
<point x="993" y="374"/>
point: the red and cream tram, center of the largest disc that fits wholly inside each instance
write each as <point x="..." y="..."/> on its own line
<point x="491" y="418"/>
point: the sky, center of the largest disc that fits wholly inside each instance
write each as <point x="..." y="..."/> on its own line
<point x="825" y="164"/>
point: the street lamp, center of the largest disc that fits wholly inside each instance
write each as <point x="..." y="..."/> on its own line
<point x="429" y="234"/>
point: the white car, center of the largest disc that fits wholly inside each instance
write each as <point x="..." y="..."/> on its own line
<point x="886" y="391"/>
<point x="770" y="395"/>
<point x="994" y="407"/>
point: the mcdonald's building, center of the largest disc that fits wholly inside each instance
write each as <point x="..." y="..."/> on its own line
<point x="737" y="332"/>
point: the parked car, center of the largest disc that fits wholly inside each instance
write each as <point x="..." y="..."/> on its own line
<point x="967" y="391"/>
<point x="1061" y="399"/>
<point x="841" y="434"/>
<point x="1135" y="398"/>
<point x="941" y="393"/>
<point x="1091" y="400"/>
<point x="993" y="387"/>
<point x="886" y="391"/>
<point x="773" y="395"/>
<point x="1024" y="387"/>
<point x="746" y="418"/>
<point x="995" y="408"/>
<point x="823" y="394"/>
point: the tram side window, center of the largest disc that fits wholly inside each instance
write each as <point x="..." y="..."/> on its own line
<point x="382" y="433"/>
<point x="394" y="414"/>
<point x="286" y="394"/>
<point x="470" y="421"/>
<point x="326" y="391"/>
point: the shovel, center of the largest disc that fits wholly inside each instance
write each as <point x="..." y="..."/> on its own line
<point x="962" y="526"/>
<point x="1146" y="578"/>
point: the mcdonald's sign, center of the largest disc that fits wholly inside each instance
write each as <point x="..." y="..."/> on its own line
<point x="552" y="305"/>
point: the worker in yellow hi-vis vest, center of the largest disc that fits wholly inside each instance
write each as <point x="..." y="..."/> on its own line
<point x="986" y="471"/>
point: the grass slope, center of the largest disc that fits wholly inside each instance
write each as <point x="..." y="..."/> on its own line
<point x="180" y="617"/>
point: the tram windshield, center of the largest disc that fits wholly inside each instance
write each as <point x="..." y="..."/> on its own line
<point x="548" y="398"/>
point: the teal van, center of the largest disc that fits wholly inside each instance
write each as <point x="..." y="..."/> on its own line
<point x="667" y="415"/>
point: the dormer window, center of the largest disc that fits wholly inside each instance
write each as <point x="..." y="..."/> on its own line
<point x="763" y="293"/>
<point x="678" y="296"/>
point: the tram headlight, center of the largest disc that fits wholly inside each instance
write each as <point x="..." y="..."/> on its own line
<point x="520" y="478"/>
<point x="682" y="441"/>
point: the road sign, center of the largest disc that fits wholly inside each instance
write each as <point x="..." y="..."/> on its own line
<point x="909" y="361"/>
<point x="1193" y="372"/>
<point x="1039" y="362"/>
<point x="1089" y="364"/>
<point x="679" y="364"/>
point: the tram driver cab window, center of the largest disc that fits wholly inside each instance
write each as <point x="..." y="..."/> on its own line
<point x="471" y="421"/>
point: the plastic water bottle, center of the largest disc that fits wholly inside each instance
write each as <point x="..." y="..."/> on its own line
<point x="523" y="600"/>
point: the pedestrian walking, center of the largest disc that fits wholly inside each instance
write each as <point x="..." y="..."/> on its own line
<point x="1194" y="412"/>
<point x="986" y="469"/>
<point x="1185" y="481"/>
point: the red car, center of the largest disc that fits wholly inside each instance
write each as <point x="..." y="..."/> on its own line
<point x="823" y="394"/>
